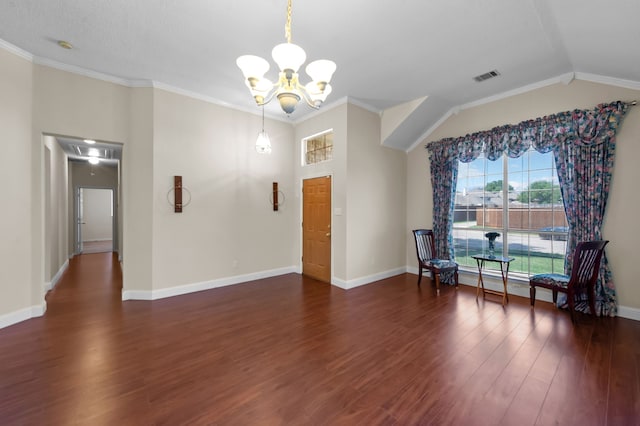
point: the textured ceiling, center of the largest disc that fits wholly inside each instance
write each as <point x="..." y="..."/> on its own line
<point x="388" y="52"/>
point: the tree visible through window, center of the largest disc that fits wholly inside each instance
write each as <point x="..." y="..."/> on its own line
<point x="518" y="197"/>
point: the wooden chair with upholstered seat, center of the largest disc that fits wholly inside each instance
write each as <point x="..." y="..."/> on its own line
<point x="426" y="251"/>
<point x="584" y="274"/>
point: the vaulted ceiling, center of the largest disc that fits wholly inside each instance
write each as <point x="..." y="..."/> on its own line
<point x="388" y="52"/>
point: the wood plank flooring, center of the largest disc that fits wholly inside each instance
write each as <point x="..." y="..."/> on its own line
<point x="290" y="350"/>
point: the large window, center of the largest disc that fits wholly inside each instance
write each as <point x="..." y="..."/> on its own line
<point x="519" y="198"/>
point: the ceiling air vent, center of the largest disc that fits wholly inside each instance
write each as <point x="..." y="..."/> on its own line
<point x="486" y="76"/>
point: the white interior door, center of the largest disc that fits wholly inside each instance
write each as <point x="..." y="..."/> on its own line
<point x="95" y="217"/>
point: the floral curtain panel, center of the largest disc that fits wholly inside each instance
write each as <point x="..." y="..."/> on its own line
<point x="583" y="144"/>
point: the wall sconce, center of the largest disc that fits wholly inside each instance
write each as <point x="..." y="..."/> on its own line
<point x="277" y="197"/>
<point x="177" y="190"/>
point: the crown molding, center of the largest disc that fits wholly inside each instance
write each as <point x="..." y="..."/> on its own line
<point x="16" y="50"/>
<point x="611" y="81"/>
<point x="562" y="78"/>
<point x="363" y="105"/>
<point x="128" y="83"/>
<point x="80" y="71"/>
<point x="335" y="104"/>
<point x="326" y="107"/>
<point x="565" y="79"/>
<point x="211" y="100"/>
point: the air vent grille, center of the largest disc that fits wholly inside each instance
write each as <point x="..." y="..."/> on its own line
<point x="486" y="76"/>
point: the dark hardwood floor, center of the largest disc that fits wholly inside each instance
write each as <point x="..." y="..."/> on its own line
<point x="290" y="350"/>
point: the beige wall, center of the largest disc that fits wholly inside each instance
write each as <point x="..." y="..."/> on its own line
<point x="15" y="173"/>
<point x="137" y="193"/>
<point x="621" y="218"/>
<point x="56" y="208"/>
<point x="376" y="199"/>
<point x="229" y="227"/>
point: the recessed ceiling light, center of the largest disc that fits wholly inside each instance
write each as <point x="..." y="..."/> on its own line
<point x="65" y="44"/>
<point x="93" y="160"/>
<point x="89" y="141"/>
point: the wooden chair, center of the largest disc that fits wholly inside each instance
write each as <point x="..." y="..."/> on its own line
<point x="584" y="274"/>
<point x="426" y="251"/>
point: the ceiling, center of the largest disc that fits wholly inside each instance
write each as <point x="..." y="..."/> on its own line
<point x="388" y="52"/>
<point x="78" y="150"/>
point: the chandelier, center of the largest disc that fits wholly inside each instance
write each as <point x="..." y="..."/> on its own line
<point x="288" y="89"/>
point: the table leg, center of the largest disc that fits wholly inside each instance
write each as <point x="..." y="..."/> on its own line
<point x="480" y="280"/>
<point x="505" y="275"/>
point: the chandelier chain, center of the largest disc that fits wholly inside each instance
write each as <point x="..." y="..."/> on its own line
<point x="287" y="27"/>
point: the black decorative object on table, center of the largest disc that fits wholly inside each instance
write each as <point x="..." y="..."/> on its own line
<point x="492" y="242"/>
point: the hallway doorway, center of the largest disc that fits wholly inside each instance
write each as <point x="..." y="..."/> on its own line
<point x="95" y="220"/>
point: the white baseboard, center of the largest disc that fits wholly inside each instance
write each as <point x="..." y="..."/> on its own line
<point x="357" y="282"/>
<point x="22" y="315"/>
<point x="51" y="284"/>
<point x="205" y="285"/>
<point x="629" y="313"/>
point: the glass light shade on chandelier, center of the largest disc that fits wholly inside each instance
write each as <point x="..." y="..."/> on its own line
<point x="263" y="143"/>
<point x="287" y="89"/>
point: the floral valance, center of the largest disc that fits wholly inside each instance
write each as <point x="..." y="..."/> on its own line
<point x="582" y="127"/>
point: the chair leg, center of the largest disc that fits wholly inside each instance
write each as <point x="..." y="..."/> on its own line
<point x="455" y="277"/>
<point x="419" y="275"/>
<point x="555" y="297"/>
<point x="532" y="295"/>
<point x="592" y="300"/>
<point x="571" y="301"/>
<point x="437" y="284"/>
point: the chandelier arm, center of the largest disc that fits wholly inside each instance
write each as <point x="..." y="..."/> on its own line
<point x="268" y="98"/>
<point x="305" y="96"/>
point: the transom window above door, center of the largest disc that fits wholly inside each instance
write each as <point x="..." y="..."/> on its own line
<point x="318" y="148"/>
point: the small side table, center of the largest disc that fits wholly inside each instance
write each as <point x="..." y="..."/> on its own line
<point x="504" y="271"/>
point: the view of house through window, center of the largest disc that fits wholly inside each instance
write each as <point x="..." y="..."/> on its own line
<point x="519" y="198"/>
<point x="317" y="149"/>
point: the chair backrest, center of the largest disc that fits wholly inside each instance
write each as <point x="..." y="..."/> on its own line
<point x="586" y="263"/>
<point x="425" y="244"/>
